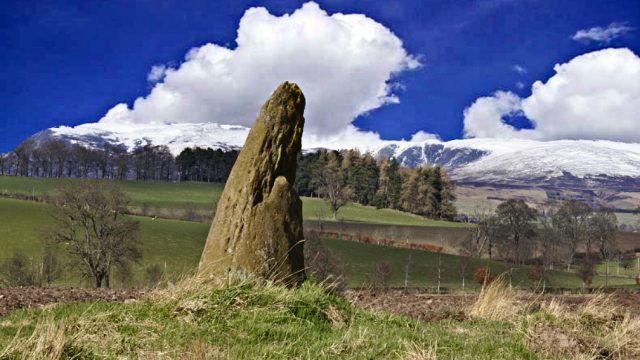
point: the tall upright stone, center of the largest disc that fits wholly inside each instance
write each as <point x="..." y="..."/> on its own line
<point x="257" y="228"/>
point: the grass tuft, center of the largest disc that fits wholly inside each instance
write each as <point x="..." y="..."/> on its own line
<point x="496" y="301"/>
<point x="597" y="329"/>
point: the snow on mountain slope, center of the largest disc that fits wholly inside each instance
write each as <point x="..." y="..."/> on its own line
<point x="497" y="159"/>
<point x="553" y="159"/>
<point x="480" y="160"/>
<point x="176" y="136"/>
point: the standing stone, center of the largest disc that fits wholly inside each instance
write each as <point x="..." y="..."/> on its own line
<point x="257" y="228"/>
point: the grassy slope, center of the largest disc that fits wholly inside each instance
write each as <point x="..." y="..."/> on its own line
<point x="161" y="196"/>
<point x="248" y="321"/>
<point x="361" y="259"/>
<point x="156" y="194"/>
<point x="178" y="244"/>
<point x="318" y="209"/>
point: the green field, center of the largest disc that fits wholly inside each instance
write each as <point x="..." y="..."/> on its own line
<point x="317" y="209"/>
<point x="171" y="200"/>
<point x="172" y="244"/>
<point x="176" y="246"/>
<point x="361" y="260"/>
<point x="153" y="194"/>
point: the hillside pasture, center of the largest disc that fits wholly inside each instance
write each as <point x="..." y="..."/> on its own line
<point x="176" y="247"/>
<point x="196" y="201"/>
<point x="173" y="245"/>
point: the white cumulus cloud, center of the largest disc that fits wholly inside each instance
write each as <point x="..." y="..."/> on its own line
<point x="602" y="34"/>
<point x="593" y="96"/>
<point x="344" y="64"/>
<point x="157" y="73"/>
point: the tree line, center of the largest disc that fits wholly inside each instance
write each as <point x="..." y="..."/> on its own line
<point x="57" y="159"/>
<point x="340" y="177"/>
<point x="562" y="235"/>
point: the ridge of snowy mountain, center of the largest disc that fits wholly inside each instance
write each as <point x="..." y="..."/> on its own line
<point x="471" y="160"/>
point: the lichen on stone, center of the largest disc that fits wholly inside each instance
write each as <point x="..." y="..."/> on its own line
<point x="257" y="228"/>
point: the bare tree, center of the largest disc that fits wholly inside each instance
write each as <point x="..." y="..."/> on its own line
<point x="516" y="220"/>
<point x="92" y="224"/>
<point x="572" y="221"/>
<point x="332" y="185"/>
<point x="549" y="245"/>
<point x="603" y="226"/>
<point x="23" y="153"/>
<point x="3" y="162"/>
<point x="383" y="272"/>
<point x="483" y="235"/>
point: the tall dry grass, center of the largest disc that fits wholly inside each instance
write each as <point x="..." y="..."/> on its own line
<point x="496" y="301"/>
<point x="47" y="341"/>
<point x="596" y="329"/>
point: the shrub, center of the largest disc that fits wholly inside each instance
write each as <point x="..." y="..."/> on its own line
<point x="383" y="273"/>
<point x="323" y="266"/>
<point x="18" y="271"/>
<point x="482" y="275"/>
<point x="587" y="271"/>
<point x="153" y="275"/>
<point x="51" y="269"/>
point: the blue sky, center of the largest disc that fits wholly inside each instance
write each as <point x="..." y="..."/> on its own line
<point x="69" y="62"/>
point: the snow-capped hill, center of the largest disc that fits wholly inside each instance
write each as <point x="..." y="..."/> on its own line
<point x="555" y="159"/>
<point x="508" y="160"/>
<point x="502" y="160"/>
<point x="468" y="160"/>
<point x="176" y="136"/>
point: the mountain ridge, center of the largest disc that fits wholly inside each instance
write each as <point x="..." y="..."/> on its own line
<point x="476" y="160"/>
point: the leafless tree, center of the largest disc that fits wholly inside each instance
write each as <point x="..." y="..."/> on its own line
<point x="332" y="185"/>
<point x="603" y="226"/>
<point x="483" y="234"/>
<point x="516" y="220"/>
<point x="572" y="221"/>
<point x="92" y="226"/>
<point x="24" y="153"/>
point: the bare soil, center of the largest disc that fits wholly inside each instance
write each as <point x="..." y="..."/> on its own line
<point x="429" y="307"/>
<point x="26" y="297"/>
<point x="414" y="303"/>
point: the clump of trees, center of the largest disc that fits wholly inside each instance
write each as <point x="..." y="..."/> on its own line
<point x="20" y="270"/>
<point x="343" y="176"/>
<point x="198" y="164"/>
<point x="58" y="159"/>
<point x="553" y="235"/>
<point x="516" y="221"/>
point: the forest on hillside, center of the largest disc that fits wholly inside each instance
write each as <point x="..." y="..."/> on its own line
<point x="336" y="176"/>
